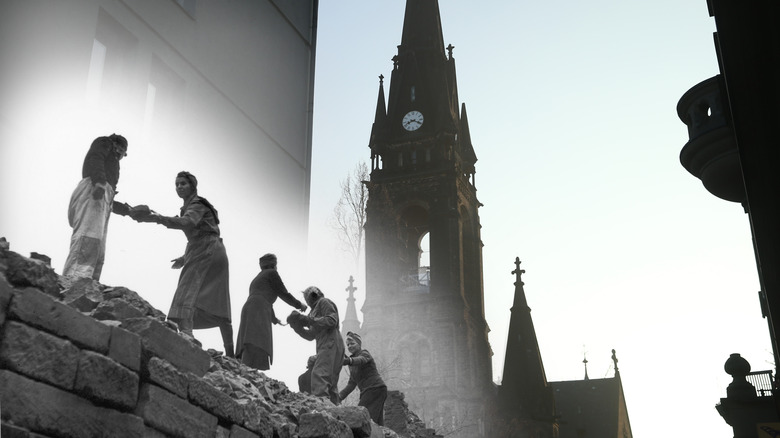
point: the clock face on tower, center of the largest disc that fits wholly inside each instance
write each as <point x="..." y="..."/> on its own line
<point x="412" y="120"/>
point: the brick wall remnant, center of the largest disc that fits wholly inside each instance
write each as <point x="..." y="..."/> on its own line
<point x="80" y="359"/>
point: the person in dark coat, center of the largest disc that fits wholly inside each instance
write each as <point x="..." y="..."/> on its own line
<point x="321" y="325"/>
<point x="364" y="375"/>
<point x="91" y="205"/>
<point x="202" y="297"/>
<point x="255" y="345"/>
<point x="304" y="380"/>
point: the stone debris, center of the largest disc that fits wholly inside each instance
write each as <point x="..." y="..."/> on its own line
<point x="130" y="366"/>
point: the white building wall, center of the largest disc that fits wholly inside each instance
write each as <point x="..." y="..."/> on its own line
<point x="224" y="91"/>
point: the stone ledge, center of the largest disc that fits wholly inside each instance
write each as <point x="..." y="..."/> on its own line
<point x="125" y="348"/>
<point x="163" y="374"/>
<point x="172" y="415"/>
<point x="37" y="309"/>
<point x="39" y="355"/>
<point x="44" y="409"/>
<point x="6" y="293"/>
<point x="106" y="381"/>
<point x="160" y="341"/>
<point x="322" y="425"/>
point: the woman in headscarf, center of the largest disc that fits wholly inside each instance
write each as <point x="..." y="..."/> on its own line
<point x="255" y="343"/>
<point x="321" y="325"/>
<point x="364" y="375"/>
<point x="202" y="298"/>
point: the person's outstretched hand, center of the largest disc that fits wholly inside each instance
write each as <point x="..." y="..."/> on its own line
<point x="140" y="213"/>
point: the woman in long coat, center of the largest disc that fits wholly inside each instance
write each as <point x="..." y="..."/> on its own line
<point x="255" y="344"/>
<point x="202" y="298"/>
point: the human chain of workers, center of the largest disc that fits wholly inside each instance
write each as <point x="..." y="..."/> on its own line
<point x="202" y="297"/>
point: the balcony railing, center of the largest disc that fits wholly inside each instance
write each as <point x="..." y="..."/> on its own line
<point x="763" y="381"/>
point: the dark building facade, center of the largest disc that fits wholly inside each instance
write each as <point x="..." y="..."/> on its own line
<point x="733" y="148"/>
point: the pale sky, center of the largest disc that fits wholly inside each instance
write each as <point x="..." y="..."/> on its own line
<point x="572" y="111"/>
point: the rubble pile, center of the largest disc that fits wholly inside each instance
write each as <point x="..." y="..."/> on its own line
<point x="82" y="359"/>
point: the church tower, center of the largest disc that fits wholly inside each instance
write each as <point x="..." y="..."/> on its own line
<point x="424" y="308"/>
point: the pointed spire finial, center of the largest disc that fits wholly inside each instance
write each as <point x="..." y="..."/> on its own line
<point x="351" y="322"/>
<point x="615" y="361"/>
<point x="585" y="361"/>
<point x="381" y="81"/>
<point x="351" y="288"/>
<point x="449" y="50"/>
<point x="518" y="272"/>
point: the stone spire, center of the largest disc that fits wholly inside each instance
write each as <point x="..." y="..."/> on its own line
<point x="585" y="361"/>
<point x="380" y="115"/>
<point x="524" y="385"/>
<point x="351" y="322"/>
<point x="422" y="28"/>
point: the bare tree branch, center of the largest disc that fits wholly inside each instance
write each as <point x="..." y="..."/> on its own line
<point x="349" y="214"/>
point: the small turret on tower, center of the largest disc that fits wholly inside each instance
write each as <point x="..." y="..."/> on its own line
<point x="524" y="394"/>
<point x="351" y="322"/>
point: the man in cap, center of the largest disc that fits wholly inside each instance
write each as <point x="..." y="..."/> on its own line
<point x="364" y="375"/>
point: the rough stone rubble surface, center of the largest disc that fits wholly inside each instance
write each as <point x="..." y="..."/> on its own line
<point x="82" y="359"/>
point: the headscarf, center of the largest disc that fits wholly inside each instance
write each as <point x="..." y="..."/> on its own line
<point x="355" y="337"/>
<point x="314" y="292"/>
<point x="194" y="183"/>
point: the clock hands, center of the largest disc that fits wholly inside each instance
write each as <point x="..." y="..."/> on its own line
<point x="412" y="120"/>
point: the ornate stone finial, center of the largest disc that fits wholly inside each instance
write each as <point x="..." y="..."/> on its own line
<point x="615" y="361"/>
<point x="395" y="62"/>
<point x="738" y="368"/>
<point x="449" y="50"/>
<point x="351" y="288"/>
<point x="381" y="81"/>
<point x="518" y="272"/>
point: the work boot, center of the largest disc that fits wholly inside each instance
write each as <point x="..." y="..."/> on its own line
<point x="226" y="330"/>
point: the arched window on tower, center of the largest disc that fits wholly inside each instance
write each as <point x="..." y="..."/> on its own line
<point x="424" y="260"/>
<point x="416" y="259"/>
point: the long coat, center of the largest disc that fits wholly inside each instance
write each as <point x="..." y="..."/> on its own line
<point x="322" y="326"/>
<point x="257" y="314"/>
<point x="203" y="292"/>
